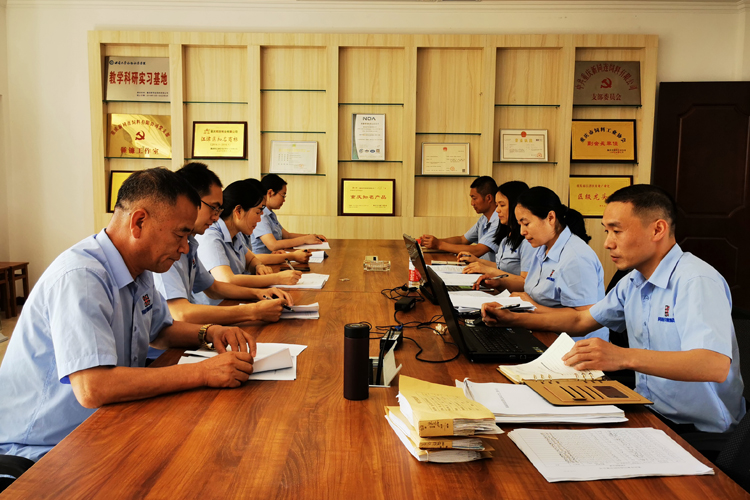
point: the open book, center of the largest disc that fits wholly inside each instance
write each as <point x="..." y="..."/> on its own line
<point x="549" y="366"/>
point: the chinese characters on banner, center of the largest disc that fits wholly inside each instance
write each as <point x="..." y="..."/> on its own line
<point x="140" y="136"/>
<point x="137" y="78"/>
<point x="368" y="196"/>
<point x="589" y="195"/>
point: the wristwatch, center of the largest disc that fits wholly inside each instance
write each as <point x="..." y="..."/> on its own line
<point x="202" y="336"/>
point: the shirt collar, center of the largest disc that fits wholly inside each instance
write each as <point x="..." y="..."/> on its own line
<point x="114" y="260"/>
<point x="557" y="248"/>
<point x="224" y="230"/>
<point x="663" y="271"/>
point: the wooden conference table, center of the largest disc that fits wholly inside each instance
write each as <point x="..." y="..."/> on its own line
<point x="302" y="439"/>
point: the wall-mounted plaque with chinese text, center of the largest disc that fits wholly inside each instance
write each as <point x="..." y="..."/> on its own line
<point x="220" y="140"/>
<point x="137" y="78"/>
<point x="139" y="136"/>
<point x="607" y="83"/>
<point x="588" y="194"/>
<point x="603" y="141"/>
<point x="368" y="137"/>
<point x="368" y="197"/>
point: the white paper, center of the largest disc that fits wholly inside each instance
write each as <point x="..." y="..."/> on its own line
<point x="316" y="246"/>
<point x="454" y="279"/>
<point x="513" y="403"/>
<point x="440" y="456"/>
<point x="311" y="281"/>
<point x="551" y="363"/>
<point x="389" y="366"/>
<point x="317" y="257"/>
<point x="310" y="311"/>
<point x="592" y="454"/>
<point x="294" y="157"/>
<point x="447" y="268"/>
<point x="368" y="136"/>
<point x="270" y="363"/>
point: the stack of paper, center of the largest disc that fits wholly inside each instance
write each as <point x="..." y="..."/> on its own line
<point x="592" y="454"/>
<point x="520" y="404"/>
<point x="271" y="362"/>
<point x="316" y="246"/>
<point x="441" y="410"/>
<point x="310" y="281"/>
<point x="317" y="257"/>
<point x="471" y="301"/>
<point x="456" y="279"/>
<point x="447" y="268"/>
<point x="440" y="450"/>
<point x="310" y="311"/>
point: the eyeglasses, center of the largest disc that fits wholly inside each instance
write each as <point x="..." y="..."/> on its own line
<point x="216" y="210"/>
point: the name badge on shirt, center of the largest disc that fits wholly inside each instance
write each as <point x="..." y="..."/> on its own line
<point x="550" y="278"/>
<point x="665" y="318"/>
<point x="147" y="305"/>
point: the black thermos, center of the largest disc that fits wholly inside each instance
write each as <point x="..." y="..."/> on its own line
<point x="356" y="361"/>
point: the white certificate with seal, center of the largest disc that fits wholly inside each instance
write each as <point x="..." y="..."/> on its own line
<point x="523" y="145"/>
<point x="368" y="137"/>
<point x="445" y="158"/>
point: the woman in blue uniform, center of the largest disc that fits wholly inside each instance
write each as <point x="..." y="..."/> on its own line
<point x="269" y="236"/>
<point x="514" y="253"/>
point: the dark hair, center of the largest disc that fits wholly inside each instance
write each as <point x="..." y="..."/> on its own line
<point x="158" y="185"/>
<point x="247" y="193"/>
<point x="541" y="201"/>
<point x="272" y="182"/>
<point x="200" y="177"/>
<point x="511" y="190"/>
<point x="485" y="185"/>
<point x="649" y="202"/>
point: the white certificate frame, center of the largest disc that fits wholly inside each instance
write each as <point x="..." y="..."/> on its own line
<point x="523" y="154"/>
<point x="369" y="145"/>
<point x="445" y="158"/>
<point x="294" y="157"/>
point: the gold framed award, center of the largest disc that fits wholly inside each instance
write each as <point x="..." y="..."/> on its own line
<point x="220" y="140"/>
<point x="604" y="141"/>
<point x="368" y="197"/>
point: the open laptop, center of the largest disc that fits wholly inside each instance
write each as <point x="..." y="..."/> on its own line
<point x="484" y="344"/>
<point x="425" y="286"/>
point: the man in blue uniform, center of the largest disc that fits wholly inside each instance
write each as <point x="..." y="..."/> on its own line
<point x="480" y="239"/>
<point x="82" y="338"/>
<point x="677" y="311"/>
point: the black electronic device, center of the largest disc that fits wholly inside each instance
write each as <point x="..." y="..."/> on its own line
<point x="405" y="304"/>
<point x="394" y="335"/>
<point x="484" y="343"/>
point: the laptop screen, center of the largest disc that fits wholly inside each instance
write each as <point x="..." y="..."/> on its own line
<point x="446" y="307"/>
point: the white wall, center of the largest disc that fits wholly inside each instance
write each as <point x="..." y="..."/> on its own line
<point x="4" y="153"/>
<point x="50" y="200"/>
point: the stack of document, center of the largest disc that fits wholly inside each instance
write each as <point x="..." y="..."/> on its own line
<point x="317" y="257"/>
<point x="316" y="246"/>
<point x="520" y="404"/>
<point x="310" y="281"/>
<point x="472" y="300"/>
<point x="271" y="362"/>
<point x="310" y="311"/>
<point x="441" y="269"/>
<point x="442" y="410"/>
<point x="440" y="450"/>
<point x="455" y="278"/>
<point x="592" y="454"/>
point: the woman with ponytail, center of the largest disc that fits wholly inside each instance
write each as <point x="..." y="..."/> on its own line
<point x="224" y="247"/>
<point x="514" y="253"/>
<point x="565" y="271"/>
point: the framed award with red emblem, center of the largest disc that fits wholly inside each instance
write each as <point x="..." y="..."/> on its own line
<point x="220" y="140"/>
<point x="523" y="145"/>
<point x="140" y="136"/>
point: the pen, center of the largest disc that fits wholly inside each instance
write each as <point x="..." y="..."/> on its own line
<point x="290" y="264"/>
<point x="286" y="307"/>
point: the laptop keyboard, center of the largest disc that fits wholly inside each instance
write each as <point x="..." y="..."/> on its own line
<point x="494" y="340"/>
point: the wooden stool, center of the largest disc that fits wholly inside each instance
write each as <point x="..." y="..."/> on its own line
<point x="4" y="291"/>
<point x="16" y="271"/>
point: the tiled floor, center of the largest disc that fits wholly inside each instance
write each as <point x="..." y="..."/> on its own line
<point x="8" y="324"/>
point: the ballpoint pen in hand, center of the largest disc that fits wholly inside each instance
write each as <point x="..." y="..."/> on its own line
<point x="284" y="306"/>
<point x="289" y="264"/>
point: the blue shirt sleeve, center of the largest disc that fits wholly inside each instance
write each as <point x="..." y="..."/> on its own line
<point x="203" y="279"/>
<point x="527" y="255"/>
<point x="211" y="251"/>
<point x="488" y="238"/>
<point x="610" y="311"/>
<point x="171" y="285"/>
<point x="705" y="317"/>
<point x="472" y="235"/>
<point x="263" y="227"/>
<point x="80" y="318"/>
<point x="581" y="283"/>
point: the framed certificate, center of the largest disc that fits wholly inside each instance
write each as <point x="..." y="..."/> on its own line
<point x="139" y="136"/>
<point x="368" y="197"/>
<point x="116" y="178"/>
<point x="220" y="140"/>
<point x="450" y="158"/>
<point x="294" y="157"/>
<point x="603" y="141"/>
<point x="368" y="137"/>
<point x="589" y="193"/>
<point x="518" y="145"/>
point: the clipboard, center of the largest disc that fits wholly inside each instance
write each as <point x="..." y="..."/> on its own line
<point x="586" y="392"/>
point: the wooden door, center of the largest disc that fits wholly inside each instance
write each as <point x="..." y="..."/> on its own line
<point x="701" y="152"/>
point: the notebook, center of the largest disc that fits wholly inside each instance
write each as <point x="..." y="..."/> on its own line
<point x="425" y="285"/>
<point x="484" y="344"/>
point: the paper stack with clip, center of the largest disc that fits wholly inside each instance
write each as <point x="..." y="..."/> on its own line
<point x="434" y="416"/>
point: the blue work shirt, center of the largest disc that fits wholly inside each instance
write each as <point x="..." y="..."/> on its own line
<point x="484" y="232"/>
<point x="185" y="278"/>
<point x="684" y="305"/>
<point x="570" y="275"/>
<point x="218" y="248"/>
<point x="85" y="311"/>
<point x="514" y="261"/>
<point x="268" y="224"/>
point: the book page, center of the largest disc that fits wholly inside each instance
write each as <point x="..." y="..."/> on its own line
<point x="550" y="364"/>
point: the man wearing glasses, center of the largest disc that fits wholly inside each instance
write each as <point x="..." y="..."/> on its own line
<point x="188" y="276"/>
